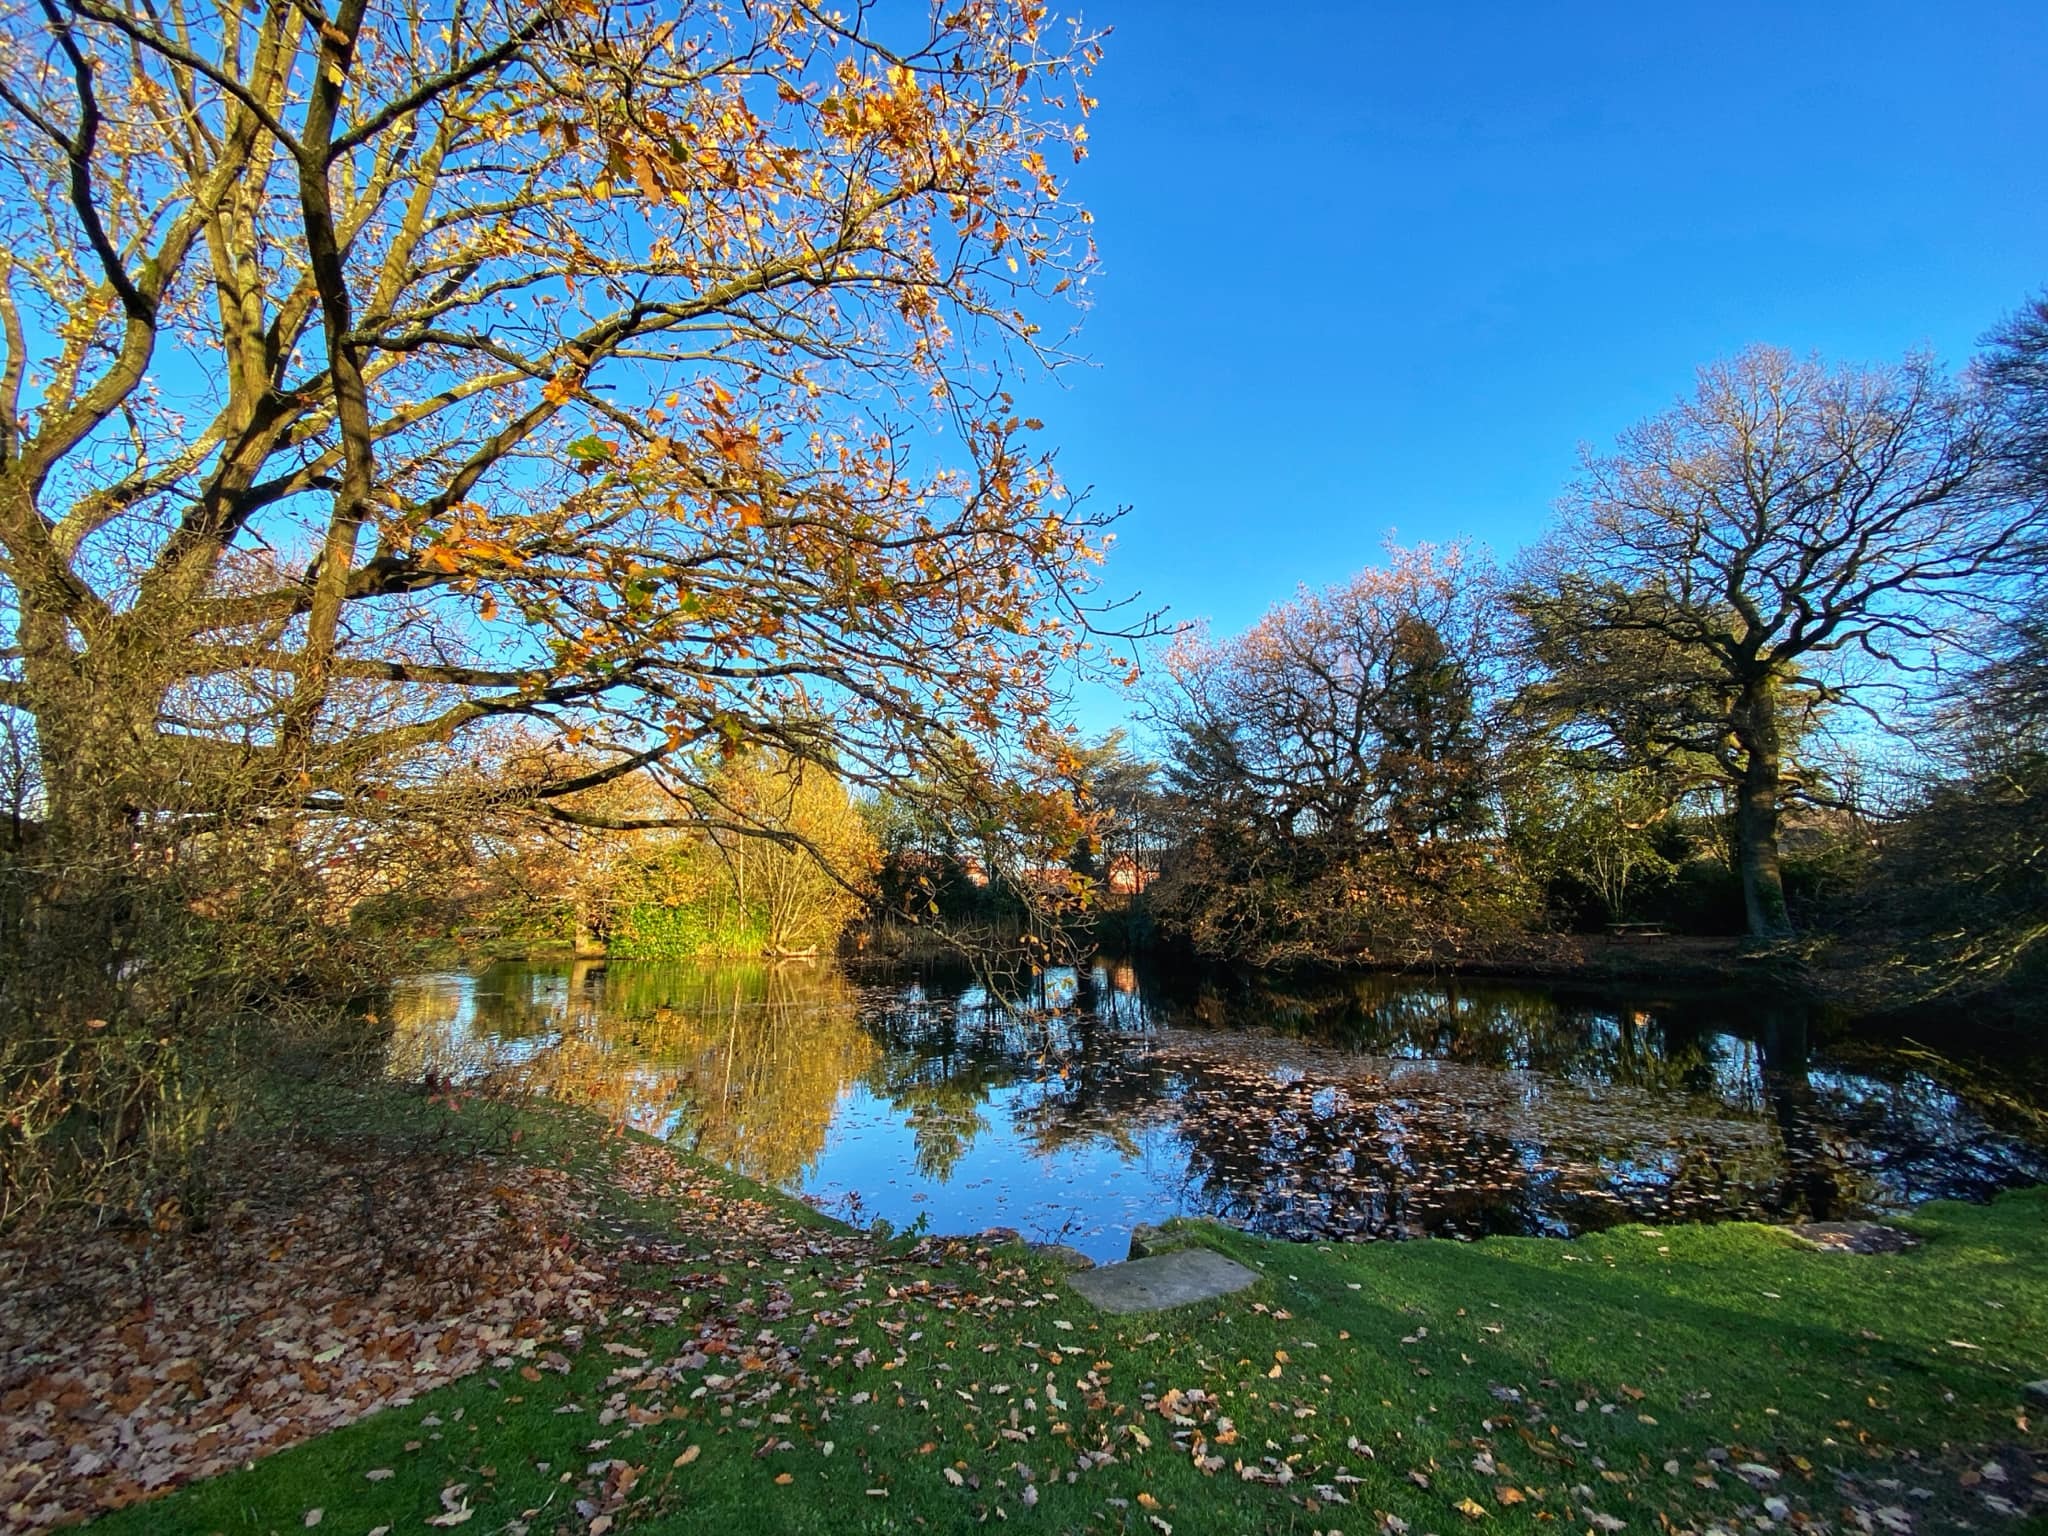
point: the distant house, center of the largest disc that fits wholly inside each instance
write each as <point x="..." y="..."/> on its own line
<point x="1127" y="877"/>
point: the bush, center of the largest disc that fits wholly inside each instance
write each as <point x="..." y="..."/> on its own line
<point x="143" y="997"/>
<point x="1958" y="894"/>
<point x="649" y="930"/>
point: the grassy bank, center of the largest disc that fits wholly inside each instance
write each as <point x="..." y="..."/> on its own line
<point x="761" y="1370"/>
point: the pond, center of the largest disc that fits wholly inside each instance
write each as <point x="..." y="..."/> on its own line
<point x="1092" y="1099"/>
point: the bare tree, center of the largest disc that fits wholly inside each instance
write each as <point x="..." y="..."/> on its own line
<point x="2012" y="686"/>
<point x="1789" y="539"/>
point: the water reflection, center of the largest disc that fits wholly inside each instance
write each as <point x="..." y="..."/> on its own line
<point x="743" y="1064"/>
<point x="1094" y="1098"/>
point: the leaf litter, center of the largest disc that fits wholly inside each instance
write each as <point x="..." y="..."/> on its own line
<point x="327" y="1287"/>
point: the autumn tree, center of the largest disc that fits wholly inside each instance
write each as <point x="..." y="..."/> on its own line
<point x="1790" y="539"/>
<point x="1330" y="771"/>
<point x="372" y="377"/>
<point x="799" y="852"/>
<point x="374" y="374"/>
<point x="1346" y="713"/>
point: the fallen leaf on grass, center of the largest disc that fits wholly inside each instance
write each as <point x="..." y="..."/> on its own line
<point x="382" y="1311"/>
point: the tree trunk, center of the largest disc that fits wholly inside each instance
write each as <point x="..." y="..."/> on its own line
<point x="1756" y="812"/>
<point x="91" y="747"/>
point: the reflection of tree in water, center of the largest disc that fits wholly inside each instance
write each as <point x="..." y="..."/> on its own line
<point x="1402" y="1107"/>
<point x="1476" y="1023"/>
<point x="1063" y="1042"/>
<point x="1456" y="1108"/>
<point x="743" y="1064"/>
<point x="1540" y="1113"/>
<point x="1910" y="1126"/>
<point x="1406" y="1148"/>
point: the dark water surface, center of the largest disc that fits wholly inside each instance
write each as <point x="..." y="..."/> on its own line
<point x="1094" y="1099"/>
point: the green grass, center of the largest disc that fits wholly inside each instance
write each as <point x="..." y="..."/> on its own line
<point x="1610" y="1365"/>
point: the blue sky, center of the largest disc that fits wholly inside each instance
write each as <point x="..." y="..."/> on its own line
<point x="1386" y="266"/>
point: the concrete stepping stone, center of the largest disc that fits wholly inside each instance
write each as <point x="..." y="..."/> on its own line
<point x="1170" y="1280"/>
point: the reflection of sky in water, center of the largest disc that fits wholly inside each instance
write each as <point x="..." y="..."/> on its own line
<point x="1088" y="1102"/>
<point x="464" y="1044"/>
<point x="1088" y="1195"/>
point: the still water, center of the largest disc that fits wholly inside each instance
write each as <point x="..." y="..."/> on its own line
<point x="1085" y="1101"/>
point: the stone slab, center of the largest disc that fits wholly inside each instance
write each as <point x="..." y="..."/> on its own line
<point x="1170" y="1280"/>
